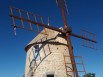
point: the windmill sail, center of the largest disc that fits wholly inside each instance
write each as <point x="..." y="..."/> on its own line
<point x="20" y="23"/>
<point x="89" y="35"/>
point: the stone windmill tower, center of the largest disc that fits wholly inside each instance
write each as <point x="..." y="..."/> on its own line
<point x="50" y="53"/>
<point x="45" y="56"/>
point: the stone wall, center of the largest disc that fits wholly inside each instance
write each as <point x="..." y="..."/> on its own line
<point x="51" y="57"/>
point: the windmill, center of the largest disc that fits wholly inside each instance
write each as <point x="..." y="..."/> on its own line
<point x="66" y="31"/>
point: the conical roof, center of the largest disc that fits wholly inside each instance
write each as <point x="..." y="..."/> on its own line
<point x="44" y="34"/>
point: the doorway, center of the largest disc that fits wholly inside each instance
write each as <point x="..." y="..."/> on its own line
<point x="50" y="75"/>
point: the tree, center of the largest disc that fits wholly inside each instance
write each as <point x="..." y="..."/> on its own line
<point x="89" y="75"/>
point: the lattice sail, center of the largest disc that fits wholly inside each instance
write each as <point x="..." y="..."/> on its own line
<point x="89" y="35"/>
<point x="79" y="63"/>
<point x="65" y="5"/>
<point x="23" y="19"/>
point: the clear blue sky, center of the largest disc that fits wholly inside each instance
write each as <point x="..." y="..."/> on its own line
<point x="86" y="14"/>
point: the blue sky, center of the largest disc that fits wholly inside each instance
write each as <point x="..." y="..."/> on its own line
<point x="87" y="14"/>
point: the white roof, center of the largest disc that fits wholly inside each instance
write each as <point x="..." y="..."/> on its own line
<point x="44" y="35"/>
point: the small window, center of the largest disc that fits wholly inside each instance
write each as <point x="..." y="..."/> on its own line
<point x="36" y="52"/>
<point x="50" y="75"/>
<point x="36" y="48"/>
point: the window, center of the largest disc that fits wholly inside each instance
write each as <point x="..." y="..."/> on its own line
<point x="36" y="52"/>
<point x="50" y="75"/>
